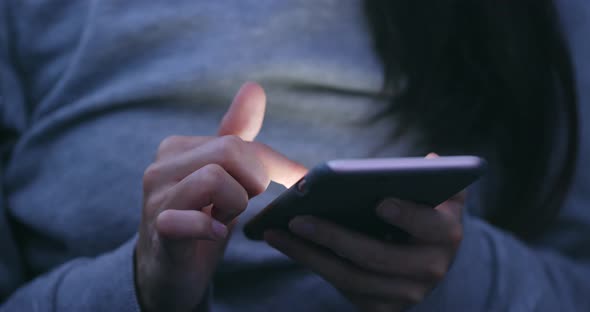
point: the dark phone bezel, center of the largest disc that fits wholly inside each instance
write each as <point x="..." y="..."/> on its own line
<point x="347" y="191"/>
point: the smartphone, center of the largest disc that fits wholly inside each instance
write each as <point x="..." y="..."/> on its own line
<point x="347" y="192"/>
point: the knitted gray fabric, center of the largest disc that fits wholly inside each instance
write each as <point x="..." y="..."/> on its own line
<point x="89" y="89"/>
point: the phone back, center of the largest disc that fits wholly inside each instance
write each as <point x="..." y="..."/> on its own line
<point x="347" y="192"/>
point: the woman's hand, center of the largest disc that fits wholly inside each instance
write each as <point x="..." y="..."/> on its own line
<point x="193" y="192"/>
<point x="376" y="275"/>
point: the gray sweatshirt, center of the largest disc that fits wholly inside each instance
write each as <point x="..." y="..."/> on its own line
<point x="89" y="88"/>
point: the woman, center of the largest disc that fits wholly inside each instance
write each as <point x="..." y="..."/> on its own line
<point x="91" y="89"/>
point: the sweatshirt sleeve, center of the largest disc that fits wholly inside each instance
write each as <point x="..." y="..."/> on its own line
<point x="105" y="283"/>
<point x="494" y="271"/>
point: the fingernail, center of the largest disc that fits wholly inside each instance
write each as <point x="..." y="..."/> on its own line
<point x="219" y="229"/>
<point x="431" y="156"/>
<point x="389" y="209"/>
<point x="302" y="226"/>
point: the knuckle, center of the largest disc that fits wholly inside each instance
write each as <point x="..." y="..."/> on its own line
<point x="244" y="201"/>
<point x="415" y="294"/>
<point x="230" y="147"/>
<point x="260" y="185"/>
<point x="155" y="201"/>
<point x="151" y="176"/>
<point x="232" y="139"/>
<point x="154" y="205"/>
<point x="169" y="142"/>
<point x="437" y="270"/>
<point x="212" y="174"/>
<point x="456" y="236"/>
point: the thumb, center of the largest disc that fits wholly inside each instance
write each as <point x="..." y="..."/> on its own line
<point x="246" y="113"/>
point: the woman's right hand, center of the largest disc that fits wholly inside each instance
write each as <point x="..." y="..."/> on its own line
<point x="193" y="193"/>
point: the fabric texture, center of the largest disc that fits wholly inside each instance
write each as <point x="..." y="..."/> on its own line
<point x="88" y="89"/>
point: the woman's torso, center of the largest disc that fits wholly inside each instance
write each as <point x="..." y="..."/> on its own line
<point x="106" y="81"/>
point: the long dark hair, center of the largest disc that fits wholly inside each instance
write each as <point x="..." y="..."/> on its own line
<point x="468" y="74"/>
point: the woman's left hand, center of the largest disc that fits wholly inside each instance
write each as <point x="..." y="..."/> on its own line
<point x="376" y="275"/>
